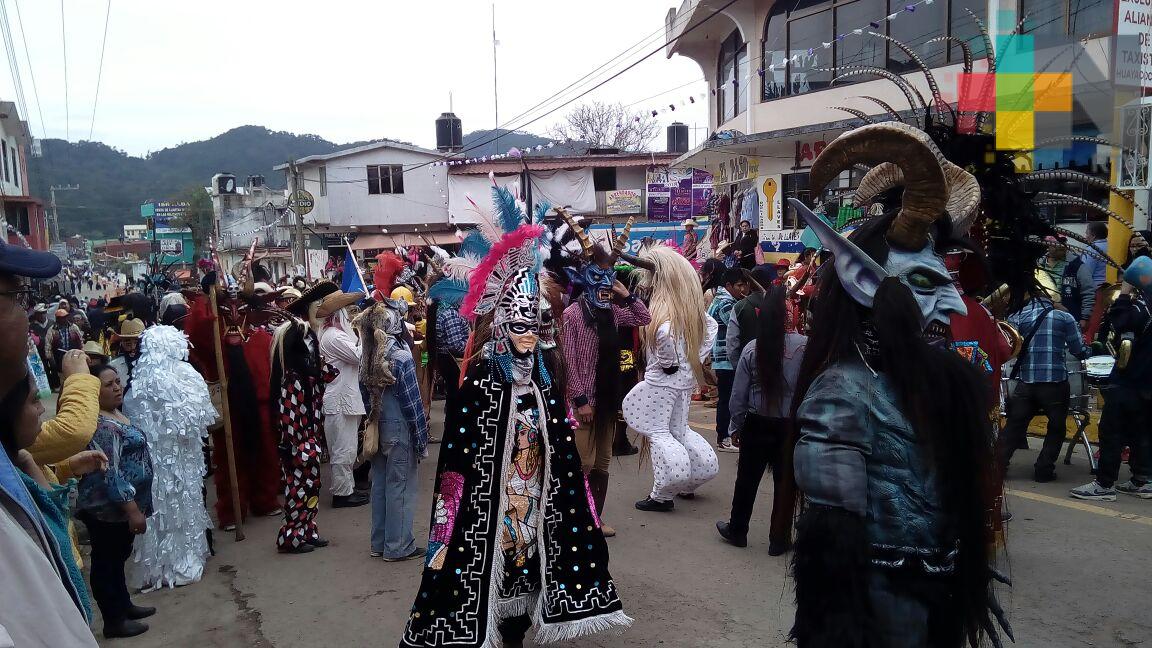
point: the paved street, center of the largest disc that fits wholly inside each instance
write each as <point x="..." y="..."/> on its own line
<point x="1081" y="574"/>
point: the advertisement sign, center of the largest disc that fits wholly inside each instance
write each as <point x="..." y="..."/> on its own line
<point x="656" y="186"/>
<point x="164" y="211"/>
<point x="623" y="201"/>
<point x="737" y="169"/>
<point x="771" y="215"/>
<point x="172" y="247"/>
<point x="1134" y="43"/>
<point x="303" y="202"/>
<point x="680" y="189"/>
<point x="701" y="192"/>
<point x="786" y="241"/>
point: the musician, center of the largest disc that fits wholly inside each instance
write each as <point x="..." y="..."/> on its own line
<point x="1127" y="416"/>
<point x="1042" y="380"/>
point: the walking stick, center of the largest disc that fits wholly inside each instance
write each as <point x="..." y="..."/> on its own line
<point x="228" y="447"/>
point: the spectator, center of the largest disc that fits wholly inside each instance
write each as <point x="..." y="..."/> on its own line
<point x="742" y="326"/>
<point x="761" y="402"/>
<point x="64" y="336"/>
<point x="734" y="288"/>
<point x="1054" y="263"/>
<point x="129" y="341"/>
<point x="1042" y="381"/>
<point x="39" y="604"/>
<point x="115" y="506"/>
<point x="1125" y="418"/>
<point x="94" y="353"/>
<point x="745" y="245"/>
<point x="690" y="246"/>
<point x="1093" y="271"/>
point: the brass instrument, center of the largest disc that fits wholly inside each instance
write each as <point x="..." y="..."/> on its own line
<point x="1013" y="336"/>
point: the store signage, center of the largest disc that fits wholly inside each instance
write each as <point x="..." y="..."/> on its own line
<point x="622" y="201"/>
<point x="303" y="202"/>
<point x="1134" y="43"/>
<point x="807" y="152"/>
<point x="173" y="247"/>
<point x="737" y="169"/>
<point x="768" y="188"/>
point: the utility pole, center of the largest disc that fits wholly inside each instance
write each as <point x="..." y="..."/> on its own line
<point x="299" y="254"/>
<point x="54" y="219"/>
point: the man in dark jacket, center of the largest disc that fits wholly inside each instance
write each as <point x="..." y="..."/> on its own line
<point x="1127" y="416"/>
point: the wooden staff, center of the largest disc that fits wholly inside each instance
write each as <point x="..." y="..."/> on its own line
<point x="228" y="447"/>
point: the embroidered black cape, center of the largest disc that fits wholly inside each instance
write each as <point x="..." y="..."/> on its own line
<point x="465" y="591"/>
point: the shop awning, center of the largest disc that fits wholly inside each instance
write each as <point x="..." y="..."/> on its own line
<point x="403" y="239"/>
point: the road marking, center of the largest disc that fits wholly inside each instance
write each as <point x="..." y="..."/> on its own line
<point x="1082" y="506"/>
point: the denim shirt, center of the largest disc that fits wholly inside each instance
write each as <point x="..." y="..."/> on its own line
<point x="129" y="474"/>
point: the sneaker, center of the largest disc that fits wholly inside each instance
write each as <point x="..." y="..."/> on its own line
<point x="726" y="446"/>
<point x="1044" y="476"/>
<point x="1093" y="491"/>
<point x="418" y="552"/>
<point x="1130" y="488"/>
<point x="649" y="504"/>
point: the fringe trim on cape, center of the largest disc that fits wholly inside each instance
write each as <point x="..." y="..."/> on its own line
<point x="569" y="630"/>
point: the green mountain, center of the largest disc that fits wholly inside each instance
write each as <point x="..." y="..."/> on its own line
<point x="113" y="184"/>
<point x="484" y="142"/>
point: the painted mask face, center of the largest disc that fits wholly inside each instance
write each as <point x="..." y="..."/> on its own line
<point x="924" y="272"/>
<point x="547" y="326"/>
<point x="517" y="316"/>
<point x="598" y="282"/>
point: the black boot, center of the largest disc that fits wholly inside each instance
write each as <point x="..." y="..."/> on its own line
<point x="137" y="612"/>
<point x="733" y="538"/>
<point x="349" y="501"/>
<point x="124" y="628"/>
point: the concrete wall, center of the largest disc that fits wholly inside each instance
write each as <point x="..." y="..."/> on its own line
<point x="348" y="202"/>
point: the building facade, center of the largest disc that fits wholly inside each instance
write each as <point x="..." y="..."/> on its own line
<point x="774" y="104"/>
<point x="248" y="214"/>
<point x="24" y="215"/>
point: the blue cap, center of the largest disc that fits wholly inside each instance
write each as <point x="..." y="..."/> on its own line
<point x="1139" y="273"/>
<point x="23" y="262"/>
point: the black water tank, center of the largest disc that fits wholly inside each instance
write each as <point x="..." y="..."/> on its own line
<point x="677" y="137"/>
<point x="448" y="133"/>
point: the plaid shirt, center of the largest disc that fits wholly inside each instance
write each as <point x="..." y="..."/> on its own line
<point x="581" y="346"/>
<point x="1044" y="359"/>
<point x="407" y="393"/>
<point x="451" y="331"/>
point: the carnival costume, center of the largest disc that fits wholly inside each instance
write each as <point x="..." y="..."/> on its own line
<point x="172" y="407"/>
<point x="298" y="379"/>
<point x="657" y="407"/>
<point x="591" y="346"/>
<point x="343" y="403"/>
<point x="514" y="540"/>
<point x="893" y="450"/>
<point x="245" y="323"/>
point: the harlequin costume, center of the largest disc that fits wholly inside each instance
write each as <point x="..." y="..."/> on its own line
<point x="678" y="339"/>
<point x="246" y="322"/>
<point x="893" y="445"/>
<point x="298" y="379"/>
<point x="514" y="541"/>
<point x="591" y="346"/>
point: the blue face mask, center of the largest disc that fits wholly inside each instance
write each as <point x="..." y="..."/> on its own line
<point x="597" y="282"/>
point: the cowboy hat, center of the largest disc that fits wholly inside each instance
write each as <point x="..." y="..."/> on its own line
<point x="93" y="348"/>
<point x="289" y="293"/>
<point x="130" y="329"/>
<point x="314" y="294"/>
<point x="337" y="300"/>
<point x="689" y="222"/>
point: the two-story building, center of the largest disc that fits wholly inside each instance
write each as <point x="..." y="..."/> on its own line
<point x="384" y="194"/>
<point x="23" y="215"/>
<point x="252" y="213"/>
<point x="771" y="64"/>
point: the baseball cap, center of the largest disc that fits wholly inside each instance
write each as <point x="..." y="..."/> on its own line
<point x="23" y="262"/>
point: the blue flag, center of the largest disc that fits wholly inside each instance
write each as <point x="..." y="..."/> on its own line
<point x="353" y="280"/>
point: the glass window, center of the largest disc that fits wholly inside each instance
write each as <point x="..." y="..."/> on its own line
<point x="863" y="49"/>
<point x="732" y="91"/>
<point x="915" y="32"/>
<point x="805" y="38"/>
<point x="1090" y="17"/>
<point x="373" y="179"/>
<point x="775" y="53"/>
<point x="963" y="27"/>
<point x="397" y="173"/>
<point x="323" y="181"/>
<point x="1044" y="17"/>
<point x="385" y="179"/>
<point x="4" y="145"/>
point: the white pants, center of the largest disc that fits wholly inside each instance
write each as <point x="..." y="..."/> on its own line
<point x="682" y="460"/>
<point x="342" y="432"/>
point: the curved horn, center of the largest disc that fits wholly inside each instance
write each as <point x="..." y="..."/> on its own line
<point x="933" y="87"/>
<point x="1067" y="175"/>
<point x="910" y="92"/>
<point x="581" y="235"/>
<point x="621" y="240"/>
<point x="858" y="114"/>
<point x="639" y="262"/>
<point x="885" y="105"/>
<point x="925" y="193"/>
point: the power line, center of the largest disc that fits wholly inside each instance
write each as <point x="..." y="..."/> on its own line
<point x="31" y="72"/>
<point x="13" y="63"/>
<point x="100" y="69"/>
<point x="598" y="85"/>
<point x="64" y="41"/>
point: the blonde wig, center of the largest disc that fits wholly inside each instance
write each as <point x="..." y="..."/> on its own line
<point x="676" y="297"/>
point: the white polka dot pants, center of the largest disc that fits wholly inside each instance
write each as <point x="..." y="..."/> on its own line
<point x="682" y="460"/>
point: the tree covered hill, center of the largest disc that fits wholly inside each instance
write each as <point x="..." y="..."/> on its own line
<point x="113" y="184"/>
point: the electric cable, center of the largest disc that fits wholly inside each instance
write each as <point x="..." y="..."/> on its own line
<point x="100" y="69"/>
<point x="64" y="42"/>
<point x="31" y="72"/>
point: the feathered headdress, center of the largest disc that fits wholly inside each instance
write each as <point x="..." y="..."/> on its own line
<point x="388" y="266"/>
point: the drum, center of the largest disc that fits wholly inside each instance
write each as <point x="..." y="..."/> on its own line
<point x="1099" y="368"/>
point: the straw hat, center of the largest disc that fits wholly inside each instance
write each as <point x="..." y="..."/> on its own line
<point x="290" y="293"/>
<point x="314" y="294"/>
<point x="131" y="329"/>
<point x="93" y="348"/>
<point x="337" y="300"/>
<point x="688" y="222"/>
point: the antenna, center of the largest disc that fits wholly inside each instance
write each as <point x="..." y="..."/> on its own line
<point x="450" y="102"/>
<point x="495" y="86"/>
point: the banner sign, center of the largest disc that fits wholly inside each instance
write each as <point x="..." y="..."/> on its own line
<point x="680" y="187"/>
<point x="659" y="193"/>
<point x="623" y="201"/>
<point x="701" y="192"/>
<point x="1134" y="43"/>
<point x="677" y="194"/>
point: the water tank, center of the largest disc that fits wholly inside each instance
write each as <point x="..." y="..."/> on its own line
<point x="255" y="181"/>
<point x="677" y="137"/>
<point x="224" y="183"/>
<point x="449" y="136"/>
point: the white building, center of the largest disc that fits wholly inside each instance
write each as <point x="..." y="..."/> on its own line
<point x="23" y="214"/>
<point x="252" y="213"/>
<point x="135" y="232"/>
<point x="770" y="64"/>
<point x="386" y="194"/>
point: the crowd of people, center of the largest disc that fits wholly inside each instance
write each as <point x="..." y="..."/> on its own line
<point x="863" y="375"/>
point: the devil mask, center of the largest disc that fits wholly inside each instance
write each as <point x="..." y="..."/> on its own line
<point x="596" y="271"/>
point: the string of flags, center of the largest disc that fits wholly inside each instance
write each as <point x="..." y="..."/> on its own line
<point x="859" y="31"/>
<point x="19" y="236"/>
<point x="260" y="228"/>
<point x="512" y="153"/>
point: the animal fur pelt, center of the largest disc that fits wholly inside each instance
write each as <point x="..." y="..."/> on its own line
<point x="375" y="368"/>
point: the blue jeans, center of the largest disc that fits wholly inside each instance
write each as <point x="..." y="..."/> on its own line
<point x="394" y="489"/>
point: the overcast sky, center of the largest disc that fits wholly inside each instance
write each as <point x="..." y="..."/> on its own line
<point x="345" y="70"/>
